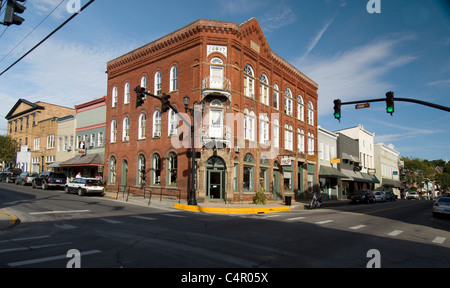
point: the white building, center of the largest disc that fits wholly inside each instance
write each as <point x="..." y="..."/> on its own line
<point x="387" y="167"/>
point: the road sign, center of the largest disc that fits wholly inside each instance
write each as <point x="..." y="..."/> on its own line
<point x="362" y="106"/>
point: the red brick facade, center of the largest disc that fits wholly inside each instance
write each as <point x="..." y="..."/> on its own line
<point x="231" y="69"/>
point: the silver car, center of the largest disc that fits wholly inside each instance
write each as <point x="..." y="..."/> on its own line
<point x="380" y="196"/>
<point x="83" y="186"/>
<point x="441" y="206"/>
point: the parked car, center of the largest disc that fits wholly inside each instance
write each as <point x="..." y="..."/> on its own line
<point x="441" y="207"/>
<point x="49" y="179"/>
<point x="9" y="175"/>
<point x="390" y="196"/>
<point x="365" y="196"/>
<point x="412" y="195"/>
<point x="26" y="178"/>
<point x="379" y="196"/>
<point x="83" y="186"/>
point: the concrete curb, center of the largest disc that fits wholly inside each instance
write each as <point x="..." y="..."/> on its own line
<point x="8" y="223"/>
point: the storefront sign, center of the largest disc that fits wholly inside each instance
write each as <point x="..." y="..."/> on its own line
<point x="286" y="161"/>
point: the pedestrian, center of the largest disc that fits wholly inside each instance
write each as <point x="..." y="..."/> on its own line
<point x="78" y="175"/>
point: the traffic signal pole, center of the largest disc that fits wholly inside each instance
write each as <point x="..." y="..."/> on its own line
<point x="444" y="108"/>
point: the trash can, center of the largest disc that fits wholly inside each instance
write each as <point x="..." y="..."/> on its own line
<point x="288" y="200"/>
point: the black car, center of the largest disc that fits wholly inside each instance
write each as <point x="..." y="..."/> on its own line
<point x="26" y="178"/>
<point x="390" y="196"/>
<point x="49" y="179"/>
<point x="364" y="196"/>
<point x="10" y="175"/>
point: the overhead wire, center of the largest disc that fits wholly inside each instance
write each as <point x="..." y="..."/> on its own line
<point x="48" y="36"/>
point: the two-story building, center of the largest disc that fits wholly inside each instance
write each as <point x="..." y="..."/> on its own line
<point x="256" y="129"/>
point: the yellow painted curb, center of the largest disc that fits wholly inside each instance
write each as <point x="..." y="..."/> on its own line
<point x="215" y="210"/>
<point x="14" y="218"/>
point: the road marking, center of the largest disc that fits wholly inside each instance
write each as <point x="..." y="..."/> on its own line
<point x="174" y="215"/>
<point x="59" y="212"/>
<point x="357" y="227"/>
<point x="324" y="222"/>
<point x="48" y="259"/>
<point x="143" y="217"/>
<point x="269" y="216"/>
<point x="439" y="240"/>
<point x="110" y="221"/>
<point x="33" y="247"/>
<point x="66" y="226"/>
<point x="395" y="233"/>
<point x="295" y="219"/>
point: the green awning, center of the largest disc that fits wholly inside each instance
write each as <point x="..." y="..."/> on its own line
<point x="330" y="172"/>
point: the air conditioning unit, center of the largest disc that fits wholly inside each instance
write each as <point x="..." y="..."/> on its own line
<point x="157" y="134"/>
<point x="126" y="138"/>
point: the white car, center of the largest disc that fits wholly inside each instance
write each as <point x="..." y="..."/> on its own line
<point x="441" y="206"/>
<point x="83" y="186"/>
<point x="380" y="196"/>
<point x="412" y="195"/>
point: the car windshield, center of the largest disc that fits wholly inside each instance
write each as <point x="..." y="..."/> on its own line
<point x="413" y="192"/>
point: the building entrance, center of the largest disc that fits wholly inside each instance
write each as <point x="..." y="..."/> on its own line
<point x="215" y="178"/>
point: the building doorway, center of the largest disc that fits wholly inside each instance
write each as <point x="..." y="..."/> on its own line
<point x="215" y="178"/>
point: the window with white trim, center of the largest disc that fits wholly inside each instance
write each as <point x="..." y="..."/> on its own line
<point x="126" y="129"/>
<point x="127" y="93"/>
<point x="156" y="124"/>
<point x="142" y="126"/>
<point x="158" y="89"/>
<point x="174" y="78"/>
<point x="264" y="89"/>
<point x="288" y="102"/>
<point x="114" y="131"/>
<point x="249" y="81"/>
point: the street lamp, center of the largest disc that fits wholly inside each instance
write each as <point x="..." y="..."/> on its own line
<point x="192" y="199"/>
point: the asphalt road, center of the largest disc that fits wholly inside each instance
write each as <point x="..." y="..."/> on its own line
<point x="112" y="234"/>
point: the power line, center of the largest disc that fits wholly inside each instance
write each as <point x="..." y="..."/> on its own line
<point x="51" y="34"/>
<point x="30" y="31"/>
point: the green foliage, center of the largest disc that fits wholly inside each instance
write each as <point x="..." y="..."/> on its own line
<point x="420" y="171"/>
<point x="8" y="149"/>
<point x="259" y="198"/>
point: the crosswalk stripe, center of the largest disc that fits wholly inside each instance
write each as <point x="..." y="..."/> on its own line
<point x="295" y="219"/>
<point x="110" y="221"/>
<point x="357" y="227"/>
<point x="324" y="222"/>
<point x="439" y="240"/>
<point x="143" y="217"/>
<point x="395" y="233"/>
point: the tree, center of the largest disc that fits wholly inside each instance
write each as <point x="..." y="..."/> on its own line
<point x="8" y="149"/>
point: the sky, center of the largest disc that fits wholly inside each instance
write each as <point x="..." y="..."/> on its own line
<point x="351" y="53"/>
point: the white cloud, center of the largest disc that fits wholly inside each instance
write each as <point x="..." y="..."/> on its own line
<point x="313" y="42"/>
<point x="278" y="17"/>
<point x="354" y="74"/>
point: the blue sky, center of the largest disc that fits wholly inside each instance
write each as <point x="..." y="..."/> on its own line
<point x="349" y="52"/>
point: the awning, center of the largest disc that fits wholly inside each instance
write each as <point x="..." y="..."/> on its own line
<point x="84" y="160"/>
<point x="371" y="178"/>
<point x="54" y="165"/>
<point x="353" y="176"/>
<point x="391" y="183"/>
<point x="330" y="172"/>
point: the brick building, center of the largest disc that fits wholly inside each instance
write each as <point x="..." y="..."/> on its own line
<point x="35" y="125"/>
<point x="258" y="129"/>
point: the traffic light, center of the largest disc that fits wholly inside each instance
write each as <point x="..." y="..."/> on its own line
<point x="140" y="95"/>
<point x="337" y="109"/>
<point x="12" y="7"/>
<point x="390" y="103"/>
<point x="164" y="103"/>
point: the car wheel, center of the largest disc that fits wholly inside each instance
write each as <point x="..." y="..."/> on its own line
<point x="8" y="180"/>
<point x="80" y="192"/>
<point x="66" y="190"/>
<point x="44" y="186"/>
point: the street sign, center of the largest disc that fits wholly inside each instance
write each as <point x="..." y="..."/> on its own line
<point x="362" y="106"/>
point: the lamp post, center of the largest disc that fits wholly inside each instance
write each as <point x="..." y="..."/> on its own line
<point x="192" y="197"/>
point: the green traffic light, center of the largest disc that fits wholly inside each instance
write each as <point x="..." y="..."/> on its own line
<point x="390" y="109"/>
<point x="337" y="115"/>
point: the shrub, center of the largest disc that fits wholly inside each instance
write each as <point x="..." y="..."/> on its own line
<point x="259" y="198"/>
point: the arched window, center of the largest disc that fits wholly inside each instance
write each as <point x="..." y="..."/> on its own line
<point x="249" y="124"/>
<point x="127" y="93"/>
<point x="126" y="129"/>
<point x="264" y="89"/>
<point x="310" y="113"/>
<point x="172" y="165"/>
<point x="158" y="89"/>
<point x="112" y="170"/>
<point x="288" y="102"/>
<point x="142" y="126"/>
<point x="156" y="124"/>
<point x="156" y="170"/>
<point x="300" y="108"/>
<point x="264" y="129"/>
<point x="249" y="81"/>
<point x="115" y="96"/>
<point x="144" y="82"/>
<point x="288" y="137"/>
<point x="174" y="78"/>
<point x="140" y="179"/>
<point x="276" y="97"/>
<point x="114" y="131"/>
<point x="249" y="173"/>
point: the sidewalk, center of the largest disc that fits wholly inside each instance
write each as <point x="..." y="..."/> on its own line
<point x="220" y="207"/>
